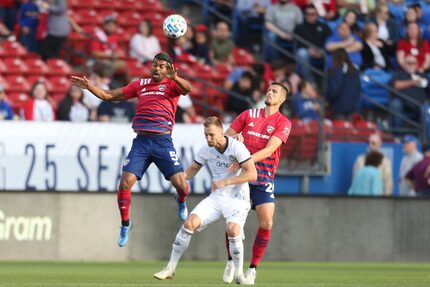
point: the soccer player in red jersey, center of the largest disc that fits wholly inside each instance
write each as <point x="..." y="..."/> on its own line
<point x="262" y="131"/>
<point x="153" y="123"/>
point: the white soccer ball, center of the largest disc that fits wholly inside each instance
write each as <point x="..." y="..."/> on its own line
<point x="174" y="26"/>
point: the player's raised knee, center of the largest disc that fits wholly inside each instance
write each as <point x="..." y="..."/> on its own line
<point x="233" y="229"/>
<point x="192" y="223"/>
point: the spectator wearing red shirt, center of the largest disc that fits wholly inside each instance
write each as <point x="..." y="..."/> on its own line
<point x="419" y="175"/>
<point x="105" y="46"/>
<point x="414" y="44"/>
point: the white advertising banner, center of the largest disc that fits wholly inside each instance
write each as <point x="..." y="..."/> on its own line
<point x="64" y="156"/>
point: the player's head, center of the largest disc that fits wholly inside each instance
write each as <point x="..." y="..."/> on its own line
<point x="159" y="66"/>
<point x="214" y="131"/>
<point x="276" y="94"/>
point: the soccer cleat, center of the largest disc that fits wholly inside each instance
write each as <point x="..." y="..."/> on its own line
<point x="182" y="210"/>
<point x="242" y="280"/>
<point x="166" y="273"/>
<point x="251" y="274"/>
<point x="228" y="272"/>
<point x="123" y="235"/>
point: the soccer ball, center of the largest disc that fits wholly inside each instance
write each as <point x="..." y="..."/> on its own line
<point x="174" y="26"/>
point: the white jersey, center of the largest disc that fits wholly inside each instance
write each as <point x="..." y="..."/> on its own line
<point x="218" y="163"/>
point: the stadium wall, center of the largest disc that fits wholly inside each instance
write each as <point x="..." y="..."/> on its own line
<point x="85" y="226"/>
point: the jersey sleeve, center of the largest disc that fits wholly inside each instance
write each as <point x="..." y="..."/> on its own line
<point x="202" y="156"/>
<point x="175" y="88"/>
<point x="130" y="91"/>
<point x="242" y="153"/>
<point x="282" y="130"/>
<point x="239" y="123"/>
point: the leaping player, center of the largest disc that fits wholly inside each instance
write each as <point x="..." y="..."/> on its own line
<point x="229" y="197"/>
<point x="262" y="131"/>
<point x="153" y="123"/>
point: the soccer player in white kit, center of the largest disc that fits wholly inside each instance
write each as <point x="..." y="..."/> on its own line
<point x="229" y="197"/>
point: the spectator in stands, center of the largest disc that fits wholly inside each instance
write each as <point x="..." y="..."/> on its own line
<point x="388" y="29"/>
<point x="364" y="7"/>
<point x="5" y="33"/>
<point x="327" y="9"/>
<point x="411" y="83"/>
<point x="343" y="86"/>
<point x="72" y="108"/>
<point x="8" y="11"/>
<point x="144" y="45"/>
<point x="306" y="103"/>
<point x="414" y="45"/>
<point x="28" y="21"/>
<point x="58" y="28"/>
<point x="117" y="112"/>
<point x="280" y="21"/>
<point x="6" y="112"/>
<point x="368" y="180"/>
<point x="419" y="175"/>
<point x="222" y="45"/>
<point x="351" y="19"/>
<point x="385" y="168"/>
<point x="346" y="40"/>
<point x="257" y="69"/>
<point x="411" y="16"/>
<point x="375" y="51"/>
<point x="201" y="49"/>
<point x="316" y="33"/>
<point x="282" y="71"/>
<point x="249" y="12"/>
<point x="239" y="98"/>
<point x="100" y="79"/>
<point x="105" y="47"/>
<point x="222" y="8"/>
<point x="38" y="107"/>
<point x="185" y="113"/>
<point x="410" y="158"/>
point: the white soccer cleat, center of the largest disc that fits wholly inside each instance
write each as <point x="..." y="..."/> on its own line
<point x="228" y="272"/>
<point x="242" y="280"/>
<point x="251" y="274"/>
<point x="166" y="273"/>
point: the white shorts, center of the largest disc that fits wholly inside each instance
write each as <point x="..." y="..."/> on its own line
<point x="215" y="206"/>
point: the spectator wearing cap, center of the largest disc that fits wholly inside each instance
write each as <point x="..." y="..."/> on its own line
<point x="58" y="28"/>
<point x="144" y="45"/>
<point x="419" y="175"/>
<point x="368" y="180"/>
<point x="385" y="168"/>
<point x="105" y="46"/>
<point x="6" y="112"/>
<point x="410" y="158"/>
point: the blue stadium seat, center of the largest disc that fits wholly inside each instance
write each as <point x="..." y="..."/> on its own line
<point x="372" y="89"/>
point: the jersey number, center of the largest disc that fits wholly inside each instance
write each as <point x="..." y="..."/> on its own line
<point x="270" y="187"/>
<point x="174" y="157"/>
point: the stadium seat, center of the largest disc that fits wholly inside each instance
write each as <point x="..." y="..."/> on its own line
<point x="17" y="84"/>
<point x="242" y="57"/>
<point x="60" y="84"/>
<point x="41" y="78"/>
<point x="341" y="131"/>
<point x="15" y="66"/>
<point x="12" y="49"/>
<point x="58" y="67"/>
<point x="137" y="69"/>
<point x="87" y="17"/>
<point x="84" y="4"/>
<point x="36" y="67"/>
<point x="371" y="84"/>
<point x="17" y="100"/>
<point x="129" y="19"/>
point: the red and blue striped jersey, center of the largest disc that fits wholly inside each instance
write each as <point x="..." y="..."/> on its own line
<point x="156" y="108"/>
<point x="257" y="129"/>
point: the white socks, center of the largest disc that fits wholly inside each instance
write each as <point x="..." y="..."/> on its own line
<point x="179" y="246"/>
<point x="236" y="251"/>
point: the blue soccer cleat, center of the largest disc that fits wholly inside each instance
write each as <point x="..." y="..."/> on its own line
<point x="123" y="235"/>
<point x="182" y="211"/>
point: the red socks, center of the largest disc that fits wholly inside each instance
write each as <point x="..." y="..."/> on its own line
<point x="260" y="244"/>
<point x="182" y="195"/>
<point x="124" y="200"/>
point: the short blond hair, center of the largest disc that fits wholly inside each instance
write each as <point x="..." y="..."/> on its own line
<point x="213" y="121"/>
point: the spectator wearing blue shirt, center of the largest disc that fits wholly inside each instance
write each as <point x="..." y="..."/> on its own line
<point x="6" y="112"/>
<point x="306" y="105"/>
<point x="28" y="21"/>
<point x="368" y="180"/>
<point x="344" y="39"/>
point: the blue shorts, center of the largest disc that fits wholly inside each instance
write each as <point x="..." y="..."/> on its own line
<point x="147" y="149"/>
<point x="261" y="193"/>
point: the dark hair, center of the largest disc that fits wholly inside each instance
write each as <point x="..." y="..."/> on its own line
<point x="340" y="56"/>
<point x="287" y="92"/>
<point x="420" y="36"/>
<point x="374" y="158"/>
<point x="213" y="121"/>
<point x="163" y="57"/>
<point x="426" y="147"/>
<point x="258" y="68"/>
<point x="35" y="84"/>
<point x="309" y="6"/>
<point x="302" y="85"/>
<point x="248" y="75"/>
<point x="148" y="23"/>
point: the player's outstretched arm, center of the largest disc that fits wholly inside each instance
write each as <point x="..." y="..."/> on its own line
<point x="248" y="173"/>
<point x="192" y="170"/>
<point x="107" y="95"/>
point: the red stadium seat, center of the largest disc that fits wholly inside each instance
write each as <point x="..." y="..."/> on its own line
<point x="12" y="49"/>
<point x="41" y="78"/>
<point x="84" y="4"/>
<point x="36" y="67"/>
<point x="15" y="66"/>
<point x="17" y="84"/>
<point x="137" y="69"/>
<point x="242" y="57"/>
<point x="17" y="100"/>
<point x="60" y="84"/>
<point x="58" y="67"/>
<point x="129" y="19"/>
<point x="364" y="130"/>
<point x="87" y="17"/>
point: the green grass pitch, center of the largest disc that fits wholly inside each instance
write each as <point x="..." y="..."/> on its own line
<point x="202" y="273"/>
